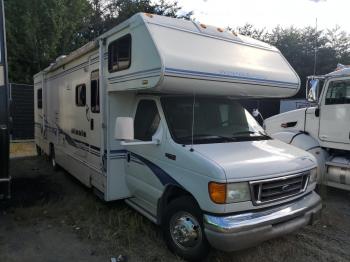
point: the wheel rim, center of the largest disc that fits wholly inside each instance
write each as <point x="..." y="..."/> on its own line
<point x="185" y="230"/>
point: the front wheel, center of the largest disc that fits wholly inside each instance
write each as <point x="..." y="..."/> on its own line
<point x="183" y="229"/>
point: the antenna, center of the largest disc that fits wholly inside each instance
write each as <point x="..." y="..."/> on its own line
<point x="315" y="58"/>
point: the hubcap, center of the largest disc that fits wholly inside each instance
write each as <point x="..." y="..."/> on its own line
<point x="185" y="230"/>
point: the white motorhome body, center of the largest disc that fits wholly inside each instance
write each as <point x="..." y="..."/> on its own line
<point x="322" y="129"/>
<point x="159" y="71"/>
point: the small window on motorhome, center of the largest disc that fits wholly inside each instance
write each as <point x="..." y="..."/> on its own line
<point x="95" y="96"/>
<point x="146" y="120"/>
<point x="40" y="98"/>
<point x="80" y="95"/>
<point x="338" y="92"/>
<point x="119" y="54"/>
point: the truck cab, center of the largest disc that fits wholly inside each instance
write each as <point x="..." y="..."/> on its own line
<point x="322" y="129"/>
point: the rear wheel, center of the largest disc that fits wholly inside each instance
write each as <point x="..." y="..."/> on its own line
<point x="183" y="229"/>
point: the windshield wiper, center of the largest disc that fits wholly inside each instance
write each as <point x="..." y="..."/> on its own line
<point x="207" y="137"/>
<point x="250" y="132"/>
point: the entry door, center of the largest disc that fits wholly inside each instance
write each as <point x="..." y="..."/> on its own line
<point x="335" y="112"/>
<point x="141" y="167"/>
<point x="94" y="118"/>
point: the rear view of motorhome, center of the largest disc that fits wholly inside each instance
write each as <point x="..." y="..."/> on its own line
<point x="149" y="113"/>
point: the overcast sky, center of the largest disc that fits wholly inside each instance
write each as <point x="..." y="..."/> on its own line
<point x="270" y="13"/>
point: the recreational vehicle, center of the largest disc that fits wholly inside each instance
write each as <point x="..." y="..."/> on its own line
<point x="150" y="113"/>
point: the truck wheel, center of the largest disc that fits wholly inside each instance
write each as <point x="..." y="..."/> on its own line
<point x="183" y="229"/>
<point x="52" y="158"/>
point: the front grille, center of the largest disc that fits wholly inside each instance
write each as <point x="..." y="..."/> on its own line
<point x="270" y="190"/>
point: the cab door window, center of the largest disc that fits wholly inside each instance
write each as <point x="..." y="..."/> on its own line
<point x="338" y="92"/>
<point x="146" y="120"/>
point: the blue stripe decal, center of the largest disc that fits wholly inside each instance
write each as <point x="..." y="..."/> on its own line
<point x="134" y="73"/>
<point x="134" y="78"/>
<point x="71" y="141"/>
<point x="216" y="75"/>
<point x="163" y="176"/>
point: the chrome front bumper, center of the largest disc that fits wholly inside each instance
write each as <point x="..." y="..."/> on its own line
<point x="242" y="230"/>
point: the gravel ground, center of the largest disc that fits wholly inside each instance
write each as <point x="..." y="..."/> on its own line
<point x="52" y="217"/>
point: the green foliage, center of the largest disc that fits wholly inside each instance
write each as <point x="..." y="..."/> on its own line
<point x="38" y="31"/>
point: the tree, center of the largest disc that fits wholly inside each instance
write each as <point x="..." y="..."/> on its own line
<point x="38" y="31"/>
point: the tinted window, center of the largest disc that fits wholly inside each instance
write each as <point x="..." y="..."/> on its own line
<point x="146" y="120"/>
<point x="40" y="98"/>
<point x="95" y="93"/>
<point x="338" y="92"/>
<point x="119" y="54"/>
<point x="80" y="95"/>
<point x="215" y="120"/>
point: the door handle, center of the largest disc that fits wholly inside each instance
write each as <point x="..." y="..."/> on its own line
<point x="324" y="136"/>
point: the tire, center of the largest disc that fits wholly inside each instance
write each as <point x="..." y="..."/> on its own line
<point x="183" y="229"/>
<point x="52" y="158"/>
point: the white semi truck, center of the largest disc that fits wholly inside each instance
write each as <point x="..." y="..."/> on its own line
<point x="150" y="113"/>
<point x="322" y="129"/>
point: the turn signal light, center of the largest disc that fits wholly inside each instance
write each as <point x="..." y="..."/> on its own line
<point x="217" y="192"/>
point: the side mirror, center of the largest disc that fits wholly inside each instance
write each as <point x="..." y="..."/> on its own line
<point x="256" y="112"/>
<point x="124" y="128"/>
<point x="312" y="86"/>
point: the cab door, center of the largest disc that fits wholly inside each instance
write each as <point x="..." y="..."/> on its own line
<point x="94" y="118"/>
<point x="335" y="112"/>
<point x="141" y="166"/>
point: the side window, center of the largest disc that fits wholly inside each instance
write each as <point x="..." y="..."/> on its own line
<point x="338" y="92"/>
<point x="40" y="98"/>
<point x="80" y="95"/>
<point x="119" y="54"/>
<point x="146" y="120"/>
<point x="95" y="93"/>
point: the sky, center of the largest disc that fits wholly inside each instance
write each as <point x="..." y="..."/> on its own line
<point x="270" y="13"/>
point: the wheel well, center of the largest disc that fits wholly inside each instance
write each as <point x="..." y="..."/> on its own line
<point x="170" y="194"/>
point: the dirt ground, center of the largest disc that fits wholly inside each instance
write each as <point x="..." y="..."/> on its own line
<point x="52" y="217"/>
<point x="22" y="149"/>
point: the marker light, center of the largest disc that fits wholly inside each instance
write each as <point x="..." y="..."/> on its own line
<point x="217" y="192"/>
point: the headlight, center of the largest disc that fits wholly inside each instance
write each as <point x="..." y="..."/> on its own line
<point x="237" y="192"/>
<point x="313" y="175"/>
<point x="221" y="193"/>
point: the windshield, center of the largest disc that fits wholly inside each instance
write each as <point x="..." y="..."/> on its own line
<point x="216" y="120"/>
